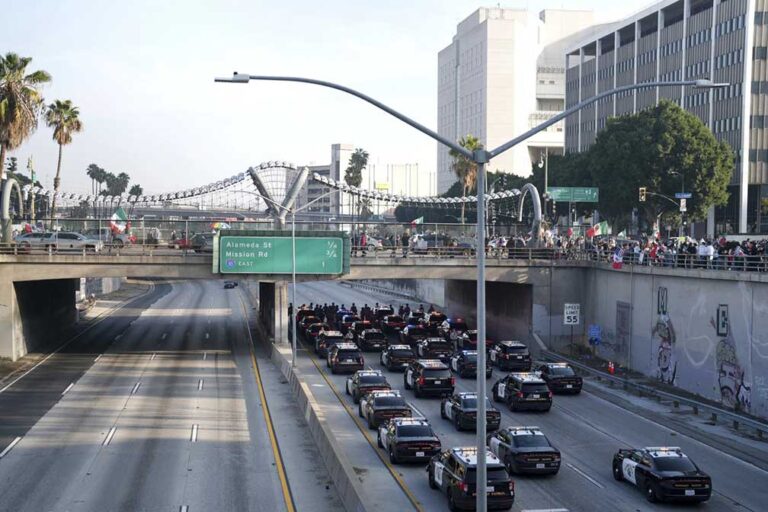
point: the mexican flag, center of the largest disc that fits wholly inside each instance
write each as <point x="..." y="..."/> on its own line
<point x="418" y="221"/>
<point x="598" y="229"/>
<point x="119" y="221"/>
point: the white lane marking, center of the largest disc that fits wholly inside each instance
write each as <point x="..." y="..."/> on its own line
<point x="207" y="335"/>
<point x="136" y="388"/>
<point x="193" y="437"/>
<point x="10" y="447"/>
<point x="97" y="358"/>
<point x="585" y="475"/>
<point x="209" y="321"/>
<point x="184" y="508"/>
<point x="205" y="356"/>
<point x="416" y="409"/>
<point x="109" y="437"/>
<point x="118" y="337"/>
<point x="165" y="335"/>
<point x="153" y="357"/>
<point x="68" y="388"/>
<point x="66" y="344"/>
<point x="200" y="385"/>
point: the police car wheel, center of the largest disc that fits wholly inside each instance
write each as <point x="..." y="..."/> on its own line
<point x="346" y="388"/>
<point x="617" y="473"/>
<point x="432" y="483"/>
<point x="378" y="440"/>
<point x="405" y="382"/>
<point x="417" y="391"/>
<point x="452" y="503"/>
<point x="356" y="398"/>
<point x="457" y="423"/>
<point x="495" y="396"/>
<point x="650" y="493"/>
<point x="442" y="411"/>
<point x="392" y="456"/>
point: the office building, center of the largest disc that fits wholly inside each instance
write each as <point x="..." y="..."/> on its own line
<point x="502" y="74"/>
<point x="724" y="41"/>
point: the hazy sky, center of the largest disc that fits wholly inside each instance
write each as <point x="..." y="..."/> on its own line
<point x="142" y="72"/>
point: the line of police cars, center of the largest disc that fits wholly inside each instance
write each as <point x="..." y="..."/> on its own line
<point x="429" y="348"/>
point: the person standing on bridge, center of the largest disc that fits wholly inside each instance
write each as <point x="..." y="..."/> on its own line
<point x="404" y="241"/>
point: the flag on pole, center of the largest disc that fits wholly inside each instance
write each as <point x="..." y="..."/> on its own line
<point x="119" y="221"/>
<point x="415" y="222"/>
<point x="598" y="229"/>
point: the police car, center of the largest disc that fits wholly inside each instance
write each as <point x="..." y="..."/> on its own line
<point x="454" y="473"/>
<point x="429" y="376"/>
<point x="365" y="381"/>
<point x="434" y="348"/>
<point x="663" y="473"/>
<point x="461" y="408"/>
<point x="378" y="407"/>
<point x="464" y="362"/>
<point x="525" y="450"/>
<point x="397" y="357"/>
<point x="523" y="390"/>
<point x="408" y="439"/>
<point x="560" y="378"/>
<point x="511" y="356"/>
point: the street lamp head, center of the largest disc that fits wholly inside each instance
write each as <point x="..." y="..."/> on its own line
<point x="237" y="78"/>
<point x="704" y="83"/>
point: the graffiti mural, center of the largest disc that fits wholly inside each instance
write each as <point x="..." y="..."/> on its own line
<point x="731" y="377"/>
<point x="663" y="339"/>
<point x="623" y="327"/>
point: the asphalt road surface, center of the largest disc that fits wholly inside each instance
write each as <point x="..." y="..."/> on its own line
<point x="157" y="408"/>
<point x="585" y="428"/>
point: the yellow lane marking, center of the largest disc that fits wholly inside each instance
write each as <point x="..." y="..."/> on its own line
<point x="287" y="496"/>
<point x="366" y="433"/>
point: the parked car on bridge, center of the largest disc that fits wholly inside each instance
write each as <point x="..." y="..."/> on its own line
<point x="63" y="241"/>
<point x="371" y="339"/>
<point x="109" y="237"/>
<point x="26" y="242"/>
<point x="434" y="348"/>
<point x="202" y="242"/>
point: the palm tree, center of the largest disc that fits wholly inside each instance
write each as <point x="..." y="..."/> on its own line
<point x="64" y="118"/>
<point x="20" y="102"/>
<point x="464" y="168"/>
<point x="93" y="172"/>
<point x="136" y="190"/>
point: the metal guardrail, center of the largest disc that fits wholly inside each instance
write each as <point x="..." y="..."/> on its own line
<point x="737" y="420"/>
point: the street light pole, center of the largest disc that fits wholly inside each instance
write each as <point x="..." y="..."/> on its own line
<point x="480" y="158"/>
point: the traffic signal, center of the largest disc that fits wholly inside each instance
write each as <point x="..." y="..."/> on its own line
<point x="642" y="194"/>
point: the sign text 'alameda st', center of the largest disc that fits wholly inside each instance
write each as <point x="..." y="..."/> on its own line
<point x="272" y="255"/>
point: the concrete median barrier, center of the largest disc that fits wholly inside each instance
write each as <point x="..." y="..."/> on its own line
<point x="348" y="486"/>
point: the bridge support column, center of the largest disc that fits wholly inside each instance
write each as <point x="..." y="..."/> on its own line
<point x="11" y="333"/>
<point x="281" y="312"/>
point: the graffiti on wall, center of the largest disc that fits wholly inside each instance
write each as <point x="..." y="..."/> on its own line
<point x="623" y="325"/>
<point x="663" y="339"/>
<point x="731" y="377"/>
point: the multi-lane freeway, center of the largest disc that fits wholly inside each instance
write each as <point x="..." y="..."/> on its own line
<point x="585" y="428"/>
<point x="161" y="404"/>
<point x="155" y="407"/>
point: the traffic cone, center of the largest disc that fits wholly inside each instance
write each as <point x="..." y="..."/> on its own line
<point x="611" y="368"/>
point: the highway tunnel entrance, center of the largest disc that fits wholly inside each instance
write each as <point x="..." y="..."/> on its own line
<point x="509" y="307"/>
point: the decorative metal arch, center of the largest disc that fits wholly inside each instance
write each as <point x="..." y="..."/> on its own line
<point x="531" y="189"/>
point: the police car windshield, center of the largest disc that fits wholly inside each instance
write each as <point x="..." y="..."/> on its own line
<point x="374" y="336"/>
<point x="389" y="401"/>
<point x="470" y="358"/>
<point x="494" y="474"/>
<point x="530" y="441"/>
<point x="349" y="353"/>
<point x="415" y="431"/>
<point x="535" y="388"/>
<point x="562" y="371"/>
<point x="471" y="403"/>
<point x="402" y="353"/>
<point x="517" y="350"/>
<point x="373" y="379"/>
<point x="674" y="464"/>
<point x="437" y="374"/>
<point x="394" y="318"/>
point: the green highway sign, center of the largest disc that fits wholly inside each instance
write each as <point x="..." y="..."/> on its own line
<point x="272" y="255"/>
<point x="574" y="194"/>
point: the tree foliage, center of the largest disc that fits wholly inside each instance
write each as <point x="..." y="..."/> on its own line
<point x="136" y="190"/>
<point x="464" y="168"/>
<point x="20" y="102"/>
<point x="353" y="175"/>
<point x="64" y="118"/>
<point x="661" y="149"/>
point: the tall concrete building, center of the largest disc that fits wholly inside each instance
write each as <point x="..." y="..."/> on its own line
<point x="502" y="74"/>
<point x="720" y="40"/>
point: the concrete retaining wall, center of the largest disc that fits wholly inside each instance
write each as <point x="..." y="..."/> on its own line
<point x="339" y="468"/>
<point x="428" y="291"/>
<point x="707" y="336"/>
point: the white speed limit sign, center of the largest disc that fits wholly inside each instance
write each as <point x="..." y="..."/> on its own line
<point x="571" y="314"/>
